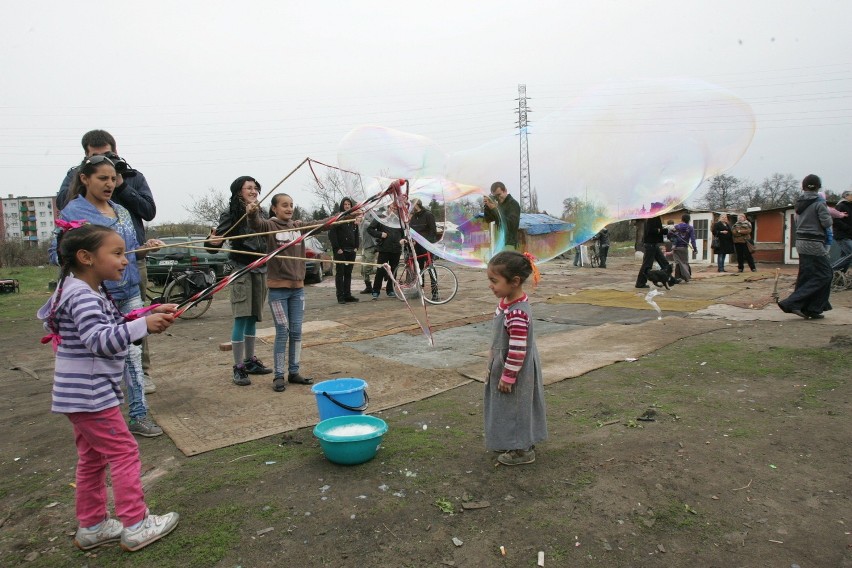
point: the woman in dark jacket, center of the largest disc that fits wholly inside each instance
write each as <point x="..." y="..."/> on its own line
<point x="344" y="242"/>
<point x="388" y="235"/>
<point x="248" y="292"/>
<point x="722" y="232"/>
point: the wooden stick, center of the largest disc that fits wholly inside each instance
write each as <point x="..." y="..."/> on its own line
<point x="775" y="287"/>
<point x="183" y="244"/>
<point x="296" y="257"/>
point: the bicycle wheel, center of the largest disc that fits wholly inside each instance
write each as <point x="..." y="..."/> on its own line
<point x="182" y="288"/>
<point x="406" y="277"/>
<point x="439" y="284"/>
<point x="840" y="281"/>
<point x="594" y="259"/>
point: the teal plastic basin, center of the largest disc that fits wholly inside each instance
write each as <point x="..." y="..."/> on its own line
<point x="350" y="449"/>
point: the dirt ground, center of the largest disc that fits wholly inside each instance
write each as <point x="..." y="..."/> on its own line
<point x="744" y="461"/>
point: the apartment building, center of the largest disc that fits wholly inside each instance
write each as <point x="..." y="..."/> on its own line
<point x="27" y="219"/>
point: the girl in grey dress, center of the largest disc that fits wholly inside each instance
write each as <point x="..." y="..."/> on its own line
<point x="514" y="391"/>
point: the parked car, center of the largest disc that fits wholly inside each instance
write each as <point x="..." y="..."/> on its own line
<point x="177" y="258"/>
<point x="319" y="260"/>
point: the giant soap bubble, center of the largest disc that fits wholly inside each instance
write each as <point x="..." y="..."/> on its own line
<point x="620" y="151"/>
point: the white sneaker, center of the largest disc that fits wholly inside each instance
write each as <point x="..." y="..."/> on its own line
<point x="148" y="385"/>
<point x="152" y="529"/>
<point x="109" y="530"/>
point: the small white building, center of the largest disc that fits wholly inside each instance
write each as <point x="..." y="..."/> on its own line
<point x="27" y="219"/>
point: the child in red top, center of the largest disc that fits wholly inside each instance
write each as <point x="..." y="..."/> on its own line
<point x="515" y="417"/>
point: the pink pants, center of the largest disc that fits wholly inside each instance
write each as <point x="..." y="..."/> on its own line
<point x="103" y="439"/>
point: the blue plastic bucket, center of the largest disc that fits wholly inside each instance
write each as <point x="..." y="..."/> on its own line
<point x="341" y="397"/>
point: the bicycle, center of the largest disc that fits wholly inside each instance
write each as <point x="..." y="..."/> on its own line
<point x="441" y="285"/>
<point x="594" y="257"/>
<point x="841" y="279"/>
<point x="183" y="286"/>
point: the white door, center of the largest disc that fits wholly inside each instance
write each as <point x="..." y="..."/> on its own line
<point x="791" y="255"/>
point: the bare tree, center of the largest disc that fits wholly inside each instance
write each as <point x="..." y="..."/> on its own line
<point x="332" y="188"/>
<point x="727" y="193"/>
<point x="206" y="209"/>
<point x="777" y="190"/>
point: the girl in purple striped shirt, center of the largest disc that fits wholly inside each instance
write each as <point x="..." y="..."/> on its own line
<point x="91" y="337"/>
<point x="514" y="406"/>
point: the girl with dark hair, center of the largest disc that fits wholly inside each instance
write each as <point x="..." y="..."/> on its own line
<point x="90" y="199"/>
<point x="514" y="409"/>
<point x="344" y="239"/>
<point x="286" y="287"/>
<point x="91" y="338"/>
<point x="248" y="292"/>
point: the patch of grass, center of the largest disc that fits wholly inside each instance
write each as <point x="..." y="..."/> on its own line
<point x="34" y="293"/>
<point x="202" y="539"/>
<point x="411" y="443"/>
<point x="810" y="393"/>
<point x="741" y="433"/>
<point x="671" y="516"/>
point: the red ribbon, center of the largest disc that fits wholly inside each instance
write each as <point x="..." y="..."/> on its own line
<point x="139" y="312"/>
<point x="69" y="225"/>
<point x="52" y="337"/>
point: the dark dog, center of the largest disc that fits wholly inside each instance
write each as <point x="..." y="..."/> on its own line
<point x="660" y="278"/>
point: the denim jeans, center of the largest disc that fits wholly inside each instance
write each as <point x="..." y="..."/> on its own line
<point x="720" y="260"/>
<point x="136" y="403"/>
<point x="288" y="311"/>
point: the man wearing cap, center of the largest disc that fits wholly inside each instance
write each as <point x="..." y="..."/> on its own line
<point x="813" y="284"/>
<point x="502" y="209"/>
<point x="843" y="228"/>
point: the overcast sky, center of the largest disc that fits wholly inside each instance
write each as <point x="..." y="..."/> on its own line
<point x="198" y="93"/>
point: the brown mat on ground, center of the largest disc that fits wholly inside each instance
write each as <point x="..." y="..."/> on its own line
<point x="574" y="353"/>
<point x="201" y="412"/>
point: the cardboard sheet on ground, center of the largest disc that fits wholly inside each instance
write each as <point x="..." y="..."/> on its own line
<point x="201" y="409"/>
<point x="574" y="353"/>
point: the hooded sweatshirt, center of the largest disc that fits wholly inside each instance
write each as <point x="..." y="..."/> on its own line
<point x="287" y="269"/>
<point x="812" y="219"/>
<point x="94" y="340"/>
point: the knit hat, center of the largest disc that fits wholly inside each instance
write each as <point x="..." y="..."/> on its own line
<point x="811" y="183"/>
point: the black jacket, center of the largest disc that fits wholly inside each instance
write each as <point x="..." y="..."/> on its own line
<point x="252" y="244"/>
<point x="843" y="227"/>
<point x="424" y="223"/>
<point x="344" y="235"/>
<point x="654" y="231"/>
<point x="726" y="241"/>
<point x="510" y="211"/>
<point x="391" y="242"/>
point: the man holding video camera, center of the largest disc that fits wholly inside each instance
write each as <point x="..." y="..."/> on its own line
<point x="503" y="209"/>
<point x="134" y="195"/>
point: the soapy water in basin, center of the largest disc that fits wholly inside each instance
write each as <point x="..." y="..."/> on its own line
<point x="351" y="430"/>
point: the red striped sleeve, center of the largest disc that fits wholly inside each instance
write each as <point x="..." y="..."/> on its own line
<point x="517" y="326"/>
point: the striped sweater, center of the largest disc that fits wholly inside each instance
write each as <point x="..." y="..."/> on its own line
<point x="517" y="325"/>
<point x="90" y="357"/>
